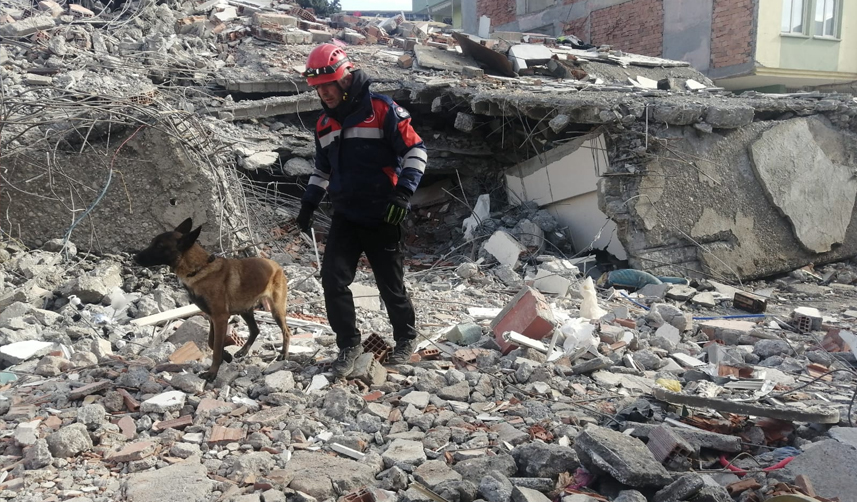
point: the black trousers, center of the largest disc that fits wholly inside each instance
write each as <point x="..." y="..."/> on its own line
<point x="382" y="245"/>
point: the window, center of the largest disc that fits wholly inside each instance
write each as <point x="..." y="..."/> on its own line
<point x="825" y="18"/>
<point x="794" y="16"/>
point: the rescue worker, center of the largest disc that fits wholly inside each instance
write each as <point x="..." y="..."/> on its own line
<point x="369" y="161"/>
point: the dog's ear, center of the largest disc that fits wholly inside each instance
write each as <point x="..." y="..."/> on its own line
<point x="185" y="226"/>
<point x="187" y="240"/>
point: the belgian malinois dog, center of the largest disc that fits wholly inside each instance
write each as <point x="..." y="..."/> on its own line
<point x="221" y="287"/>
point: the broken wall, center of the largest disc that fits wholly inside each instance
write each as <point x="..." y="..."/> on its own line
<point x="159" y="178"/>
<point x="765" y="198"/>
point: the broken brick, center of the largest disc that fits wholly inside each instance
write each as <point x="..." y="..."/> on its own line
<point x="528" y="313"/>
<point x="223" y="435"/>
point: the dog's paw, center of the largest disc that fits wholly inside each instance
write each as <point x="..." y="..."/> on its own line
<point x="227" y="357"/>
<point x="282" y="357"/>
<point x="241" y="353"/>
<point x="208" y="375"/>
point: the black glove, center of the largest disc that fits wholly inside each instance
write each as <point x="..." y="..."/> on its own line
<point x="398" y="207"/>
<point x="304" y="219"/>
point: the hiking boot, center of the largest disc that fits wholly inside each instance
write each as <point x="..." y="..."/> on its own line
<point x="402" y="353"/>
<point x="344" y="363"/>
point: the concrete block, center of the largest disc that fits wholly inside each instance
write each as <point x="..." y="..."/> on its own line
<point x="726" y="330"/>
<point x="261" y="160"/>
<point x="164" y="402"/>
<point x="18" y="352"/>
<point x="505" y="248"/>
<point x="527" y="313"/>
<point x="267" y="18"/>
<point x="224" y="16"/>
<point x="465" y="122"/>
<point x="27" y="26"/>
<point x="472" y="72"/>
<point x="51" y="7"/>
<point x="405" y="61"/>
<point x="831" y="467"/>
<point x="319" y="36"/>
<point x="403" y="451"/>
<point x="549" y="282"/>
<point x="625" y="458"/>
<point x="368" y="370"/>
<point x="354" y="38"/>
<point x="526" y="55"/>
<point x="509" y="36"/>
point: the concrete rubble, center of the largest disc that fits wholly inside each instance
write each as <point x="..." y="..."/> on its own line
<point x="530" y="383"/>
<point x="643" y="413"/>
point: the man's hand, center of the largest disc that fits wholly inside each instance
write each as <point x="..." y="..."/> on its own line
<point x="397" y="208"/>
<point x="304" y="219"/>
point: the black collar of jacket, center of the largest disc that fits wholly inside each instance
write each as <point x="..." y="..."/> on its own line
<point x="356" y="97"/>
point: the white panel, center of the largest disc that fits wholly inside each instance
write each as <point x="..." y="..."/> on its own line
<point x="584" y="221"/>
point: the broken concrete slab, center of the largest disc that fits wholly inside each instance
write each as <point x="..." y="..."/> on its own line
<point x="186" y="480"/>
<point x="442" y="59"/>
<point x="806" y="198"/>
<point x="164" y="402"/>
<point x="697" y="438"/>
<point x="829" y="465"/>
<point x="27" y="26"/>
<point x="404" y="452"/>
<point x="504" y="248"/>
<point x="542" y="460"/>
<point x="625" y="458"/>
<point x="19" y="352"/>
<point x="526" y="55"/>
<point x="322" y="476"/>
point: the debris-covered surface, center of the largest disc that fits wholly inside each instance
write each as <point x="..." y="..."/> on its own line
<point x="511" y="394"/>
<point x="532" y="382"/>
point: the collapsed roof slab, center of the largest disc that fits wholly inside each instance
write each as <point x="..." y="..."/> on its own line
<point x="155" y="177"/>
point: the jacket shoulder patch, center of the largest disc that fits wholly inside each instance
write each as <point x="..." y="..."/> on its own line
<point x="401" y="112"/>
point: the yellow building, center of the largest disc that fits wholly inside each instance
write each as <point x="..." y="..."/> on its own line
<point x="802" y="44"/>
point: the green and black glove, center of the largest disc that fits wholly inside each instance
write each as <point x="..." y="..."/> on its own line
<point x="398" y="207"/>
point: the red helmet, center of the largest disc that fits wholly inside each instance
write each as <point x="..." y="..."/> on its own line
<point x="326" y="63"/>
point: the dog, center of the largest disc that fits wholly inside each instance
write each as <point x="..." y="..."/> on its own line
<point x="221" y="287"/>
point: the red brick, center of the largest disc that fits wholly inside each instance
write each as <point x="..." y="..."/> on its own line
<point x="500" y="11"/>
<point x="644" y="36"/>
<point x="528" y="314"/>
<point x="133" y="451"/>
<point x="732" y="32"/>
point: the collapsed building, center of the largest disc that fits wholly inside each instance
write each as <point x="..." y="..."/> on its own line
<point x="120" y="120"/>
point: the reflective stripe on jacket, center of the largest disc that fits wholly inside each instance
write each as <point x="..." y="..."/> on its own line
<point x="361" y="161"/>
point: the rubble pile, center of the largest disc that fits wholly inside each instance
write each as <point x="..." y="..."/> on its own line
<point x="514" y="394"/>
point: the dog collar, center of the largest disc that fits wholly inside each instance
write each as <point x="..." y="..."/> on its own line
<point x="211" y="258"/>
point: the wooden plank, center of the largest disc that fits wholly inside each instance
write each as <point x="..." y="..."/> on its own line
<point x="187" y="352"/>
<point x="189" y="310"/>
<point x="186" y="311"/>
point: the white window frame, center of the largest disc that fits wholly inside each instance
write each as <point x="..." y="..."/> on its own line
<point x="788" y="24"/>
<point x="825" y="7"/>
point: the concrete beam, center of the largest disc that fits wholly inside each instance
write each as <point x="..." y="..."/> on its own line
<point x="810" y="415"/>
